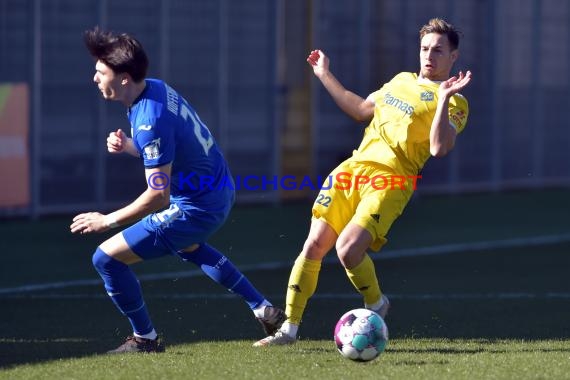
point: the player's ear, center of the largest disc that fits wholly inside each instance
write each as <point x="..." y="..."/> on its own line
<point x="454" y="55"/>
<point x="126" y="79"/>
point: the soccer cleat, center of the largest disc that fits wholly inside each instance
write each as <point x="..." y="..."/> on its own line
<point x="383" y="310"/>
<point x="135" y="344"/>
<point x="273" y="318"/>
<point x="278" y="339"/>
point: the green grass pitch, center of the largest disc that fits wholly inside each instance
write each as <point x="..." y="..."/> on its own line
<point x="491" y="300"/>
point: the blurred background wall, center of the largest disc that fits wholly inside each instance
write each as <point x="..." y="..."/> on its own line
<point x="241" y="64"/>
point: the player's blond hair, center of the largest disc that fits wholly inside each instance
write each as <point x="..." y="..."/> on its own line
<point x="440" y="26"/>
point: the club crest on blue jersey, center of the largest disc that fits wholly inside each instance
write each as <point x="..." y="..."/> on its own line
<point x="152" y="150"/>
<point x="144" y="127"/>
<point x="426" y="96"/>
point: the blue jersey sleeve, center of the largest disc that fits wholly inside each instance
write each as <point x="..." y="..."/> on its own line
<point x="154" y="139"/>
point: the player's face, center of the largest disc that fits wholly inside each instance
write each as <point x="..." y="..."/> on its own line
<point x="436" y="57"/>
<point x="109" y="83"/>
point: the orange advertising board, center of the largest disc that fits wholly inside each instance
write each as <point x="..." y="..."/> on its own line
<point x="14" y="152"/>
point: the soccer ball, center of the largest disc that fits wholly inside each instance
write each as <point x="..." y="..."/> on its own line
<point x="361" y="335"/>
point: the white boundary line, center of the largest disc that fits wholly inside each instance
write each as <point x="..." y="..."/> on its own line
<point x="322" y="296"/>
<point x="388" y="254"/>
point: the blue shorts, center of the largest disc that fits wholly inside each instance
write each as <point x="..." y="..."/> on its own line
<point x="172" y="230"/>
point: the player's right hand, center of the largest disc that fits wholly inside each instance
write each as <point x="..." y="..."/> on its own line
<point x="454" y="84"/>
<point x="319" y="61"/>
<point x="117" y="141"/>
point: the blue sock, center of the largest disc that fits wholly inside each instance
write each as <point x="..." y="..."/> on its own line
<point x="124" y="289"/>
<point x="220" y="269"/>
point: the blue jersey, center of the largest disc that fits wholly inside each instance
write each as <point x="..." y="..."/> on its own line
<point x="166" y="129"/>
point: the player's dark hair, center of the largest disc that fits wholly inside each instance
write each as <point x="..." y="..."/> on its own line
<point x="439" y="26"/>
<point x="121" y="52"/>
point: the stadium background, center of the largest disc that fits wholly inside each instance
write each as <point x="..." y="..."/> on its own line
<point x="242" y="65"/>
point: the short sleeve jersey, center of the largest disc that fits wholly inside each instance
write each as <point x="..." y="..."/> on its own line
<point x="166" y="129"/>
<point x="398" y="135"/>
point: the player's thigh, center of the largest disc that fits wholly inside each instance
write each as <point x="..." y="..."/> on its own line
<point x="336" y="202"/>
<point x="378" y="210"/>
<point x="352" y="245"/>
<point x="175" y="230"/>
<point x="117" y="247"/>
<point x="144" y="242"/>
<point x="320" y="241"/>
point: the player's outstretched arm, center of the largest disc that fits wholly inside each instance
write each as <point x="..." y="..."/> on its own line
<point x="353" y="105"/>
<point x="154" y="198"/>
<point x="442" y="134"/>
<point x="118" y="142"/>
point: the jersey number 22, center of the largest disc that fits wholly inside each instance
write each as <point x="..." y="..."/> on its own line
<point x="207" y="142"/>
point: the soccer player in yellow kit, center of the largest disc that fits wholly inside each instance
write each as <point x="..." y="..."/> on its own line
<point x="413" y="117"/>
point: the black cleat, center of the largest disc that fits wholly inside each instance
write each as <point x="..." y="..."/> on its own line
<point x="135" y="344"/>
<point x="272" y="319"/>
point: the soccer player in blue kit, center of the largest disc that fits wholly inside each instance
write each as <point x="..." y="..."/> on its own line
<point x="176" y="214"/>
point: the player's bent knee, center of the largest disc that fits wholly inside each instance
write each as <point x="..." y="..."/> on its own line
<point x="352" y="248"/>
<point x="103" y="262"/>
<point x="342" y="257"/>
<point x="349" y="256"/>
<point x="344" y="248"/>
<point x="314" y="249"/>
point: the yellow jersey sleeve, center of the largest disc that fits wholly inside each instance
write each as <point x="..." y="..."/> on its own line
<point x="458" y="111"/>
<point x="374" y="97"/>
<point x="398" y="135"/>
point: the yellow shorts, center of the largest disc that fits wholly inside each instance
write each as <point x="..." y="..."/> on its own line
<point x="371" y="196"/>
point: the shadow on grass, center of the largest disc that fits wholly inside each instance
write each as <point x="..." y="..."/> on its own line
<point x="34" y="330"/>
<point x="39" y="330"/>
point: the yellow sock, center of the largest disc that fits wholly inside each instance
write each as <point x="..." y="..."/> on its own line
<point x="302" y="285"/>
<point x="363" y="277"/>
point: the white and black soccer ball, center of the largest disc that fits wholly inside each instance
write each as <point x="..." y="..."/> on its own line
<point x="361" y="335"/>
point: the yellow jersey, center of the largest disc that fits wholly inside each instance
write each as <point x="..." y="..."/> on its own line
<point x="398" y="135"/>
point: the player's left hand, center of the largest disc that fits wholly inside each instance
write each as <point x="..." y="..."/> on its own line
<point x="88" y="223"/>
<point x="454" y="84"/>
